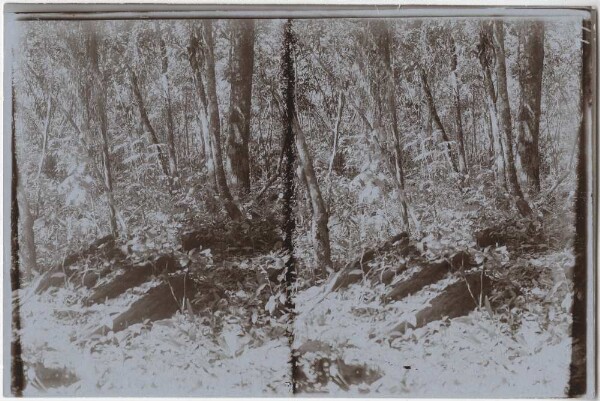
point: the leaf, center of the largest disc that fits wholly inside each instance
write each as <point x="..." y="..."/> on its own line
<point x="488" y="306"/>
<point x="271" y="304"/>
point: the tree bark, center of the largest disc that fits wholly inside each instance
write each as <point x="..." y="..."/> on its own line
<point x="195" y="56"/>
<point x="241" y="59"/>
<point x="531" y="65"/>
<point x="486" y="59"/>
<point x="99" y="99"/>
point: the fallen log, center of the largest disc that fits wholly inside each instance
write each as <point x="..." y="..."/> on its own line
<point x="162" y="301"/>
<point x="353" y="272"/>
<point x="430" y="274"/>
<point x="103" y="249"/>
<point x="133" y="276"/>
<point x="456" y="300"/>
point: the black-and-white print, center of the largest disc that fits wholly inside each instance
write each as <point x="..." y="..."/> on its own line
<point x="268" y="207"/>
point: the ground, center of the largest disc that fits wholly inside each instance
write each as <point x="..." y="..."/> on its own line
<point x="521" y="352"/>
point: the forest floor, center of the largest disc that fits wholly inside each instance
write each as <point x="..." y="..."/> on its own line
<point x="521" y="349"/>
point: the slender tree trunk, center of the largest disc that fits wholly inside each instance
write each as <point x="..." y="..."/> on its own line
<point x="214" y="123"/>
<point x="460" y="136"/>
<point x="153" y="138"/>
<point x="99" y="95"/>
<point x="336" y="140"/>
<point x="436" y="119"/>
<point x="383" y="92"/>
<point x="504" y="119"/>
<point x="531" y="65"/>
<point x="169" y="109"/>
<point x="241" y="60"/>
<point x="320" y="217"/>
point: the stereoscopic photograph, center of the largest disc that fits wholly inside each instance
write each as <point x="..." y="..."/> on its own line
<point x="356" y="202"/>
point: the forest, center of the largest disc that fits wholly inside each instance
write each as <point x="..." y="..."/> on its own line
<point x="305" y="206"/>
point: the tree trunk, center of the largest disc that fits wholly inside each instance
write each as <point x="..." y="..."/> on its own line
<point x="336" y="140"/>
<point x="148" y="125"/>
<point x="460" y="136"/>
<point x="320" y="217"/>
<point x="504" y="118"/>
<point x="195" y="56"/>
<point x="214" y="123"/>
<point x="486" y="59"/>
<point x="437" y="120"/>
<point x="99" y="99"/>
<point x="169" y="109"/>
<point x="384" y="89"/>
<point x="241" y="60"/>
<point x="531" y="65"/>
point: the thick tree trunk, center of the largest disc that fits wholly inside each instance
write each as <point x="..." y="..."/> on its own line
<point x="241" y="63"/>
<point x="486" y="59"/>
<point x="99" y="99"/>
<point x="460" y="136"/>
<point x="504" y="118"/>
<point x="195" y="56"/>
<point x="531" y="65"/>
<point x="169" y="109"/>
<point x="148" y="125"/>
